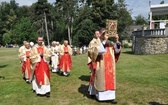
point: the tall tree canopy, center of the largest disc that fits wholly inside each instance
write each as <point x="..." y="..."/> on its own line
<point x="73" y="20"/>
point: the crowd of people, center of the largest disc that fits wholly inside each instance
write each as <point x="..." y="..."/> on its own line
<point x="35" y="63"/>
<point x="102" y="57"/>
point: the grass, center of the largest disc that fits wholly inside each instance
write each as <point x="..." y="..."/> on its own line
<point x="141" y="80"/>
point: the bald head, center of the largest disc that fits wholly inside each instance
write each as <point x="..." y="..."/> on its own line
<point x="24" y="42"/>
<point x="116" y="38"/>
<point x="65" y="42"/>
<point x="27" y="45"/>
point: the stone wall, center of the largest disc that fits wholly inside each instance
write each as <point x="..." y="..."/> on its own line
<point x="150" y="44"/>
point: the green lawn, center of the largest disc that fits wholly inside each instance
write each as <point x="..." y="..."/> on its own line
<point x="141" y="80"/>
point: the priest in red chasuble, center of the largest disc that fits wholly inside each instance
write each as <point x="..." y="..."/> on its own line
<point x="40" y="57"/>
<point x="65" y="63"/>
<point x="24" y="54"/>
<point x="103" y="81"/>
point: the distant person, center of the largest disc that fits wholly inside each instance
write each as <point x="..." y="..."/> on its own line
<point x="65" y="64"/>
<point x="84" y="49"/>
<point x="81" y="50"/>
<point x="117" y="48"/>
<point x="55" y="56"/>
<point x="75" y="51"/>
<point x="40" y="57"/>
<point x="24" y="56"/>
<point x="102" y="82"/>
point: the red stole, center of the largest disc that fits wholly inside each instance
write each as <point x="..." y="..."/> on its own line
<point x="65" y="61"/>
<point x="109" y="70"/>
<point x="26" y="66"/>
<point x="41" y="69"/>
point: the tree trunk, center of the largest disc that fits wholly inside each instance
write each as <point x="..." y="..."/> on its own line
<point x="71" y="28"/>
<point x="45" y="20"/>
<point x="69" y="36"/>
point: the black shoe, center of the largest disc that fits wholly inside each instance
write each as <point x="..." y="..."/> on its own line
<point x="24" y="78"/>
<point x="34" y="91"/>
<point x="114" y="102"/>
<point x="92" y="96"/>
<point x="47" y="94"/>
<point x="61" y="73"/>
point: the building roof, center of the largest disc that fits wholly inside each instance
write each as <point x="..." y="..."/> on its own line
<point x="160" y="9"/>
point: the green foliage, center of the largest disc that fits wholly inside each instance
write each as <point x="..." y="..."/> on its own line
<point x="6" y="38"/>
<point x="84" y="32"/>
<point x="124" y="18"/>
<point x="140" y="20"/>
<point x="81" y="17"/>
<point x="24" y="30"/>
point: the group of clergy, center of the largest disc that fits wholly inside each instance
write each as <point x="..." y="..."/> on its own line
<point x="35" y="63"/>
<point x="102" y="57"/>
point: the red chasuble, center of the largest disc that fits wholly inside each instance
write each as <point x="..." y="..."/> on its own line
<point x="41" y="69"/>
<point x="26" y="66"/>
<point x="108" y="71"/>
<point x="65" y="61"/>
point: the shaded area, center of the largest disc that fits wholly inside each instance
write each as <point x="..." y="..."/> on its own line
<point x="3" y="66"/>
<point x="85" y="78"/>
<point x="156" y="103"/>
<point x="2" y="77"/>
<point x="128" y="52"/>
<point x="84" y="90"/>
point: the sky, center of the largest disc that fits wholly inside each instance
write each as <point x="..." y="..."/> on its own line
<point x="138" y="7"/>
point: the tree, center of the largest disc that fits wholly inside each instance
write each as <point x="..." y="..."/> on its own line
<point x="6" y="38"/>
<point x="42" y="10"/>
<point x="140" y="20"/>
<point x="102" y="10"/>
<point x="24" y="30"/>
<point x="67" y="9"/>
<point x="124" y="18"/>
<point x="23" y="11"/>
<point x="84" y="32"/>
<point x="11" y="19"/>
<point x="84" y="27"/>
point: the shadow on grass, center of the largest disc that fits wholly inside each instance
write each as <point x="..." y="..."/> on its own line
<point x="128" y="52"/>
<point x="84" y="90"/>
<point x="2" y="77"/>
<point x="3" y="66"/>
<point x="156" y="103"/>
<point x="85" y="78"/>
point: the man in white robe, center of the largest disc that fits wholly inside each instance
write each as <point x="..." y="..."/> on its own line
<point x="55" y="56"/>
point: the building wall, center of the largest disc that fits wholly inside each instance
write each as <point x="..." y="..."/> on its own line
<point x="150" y="45"/>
